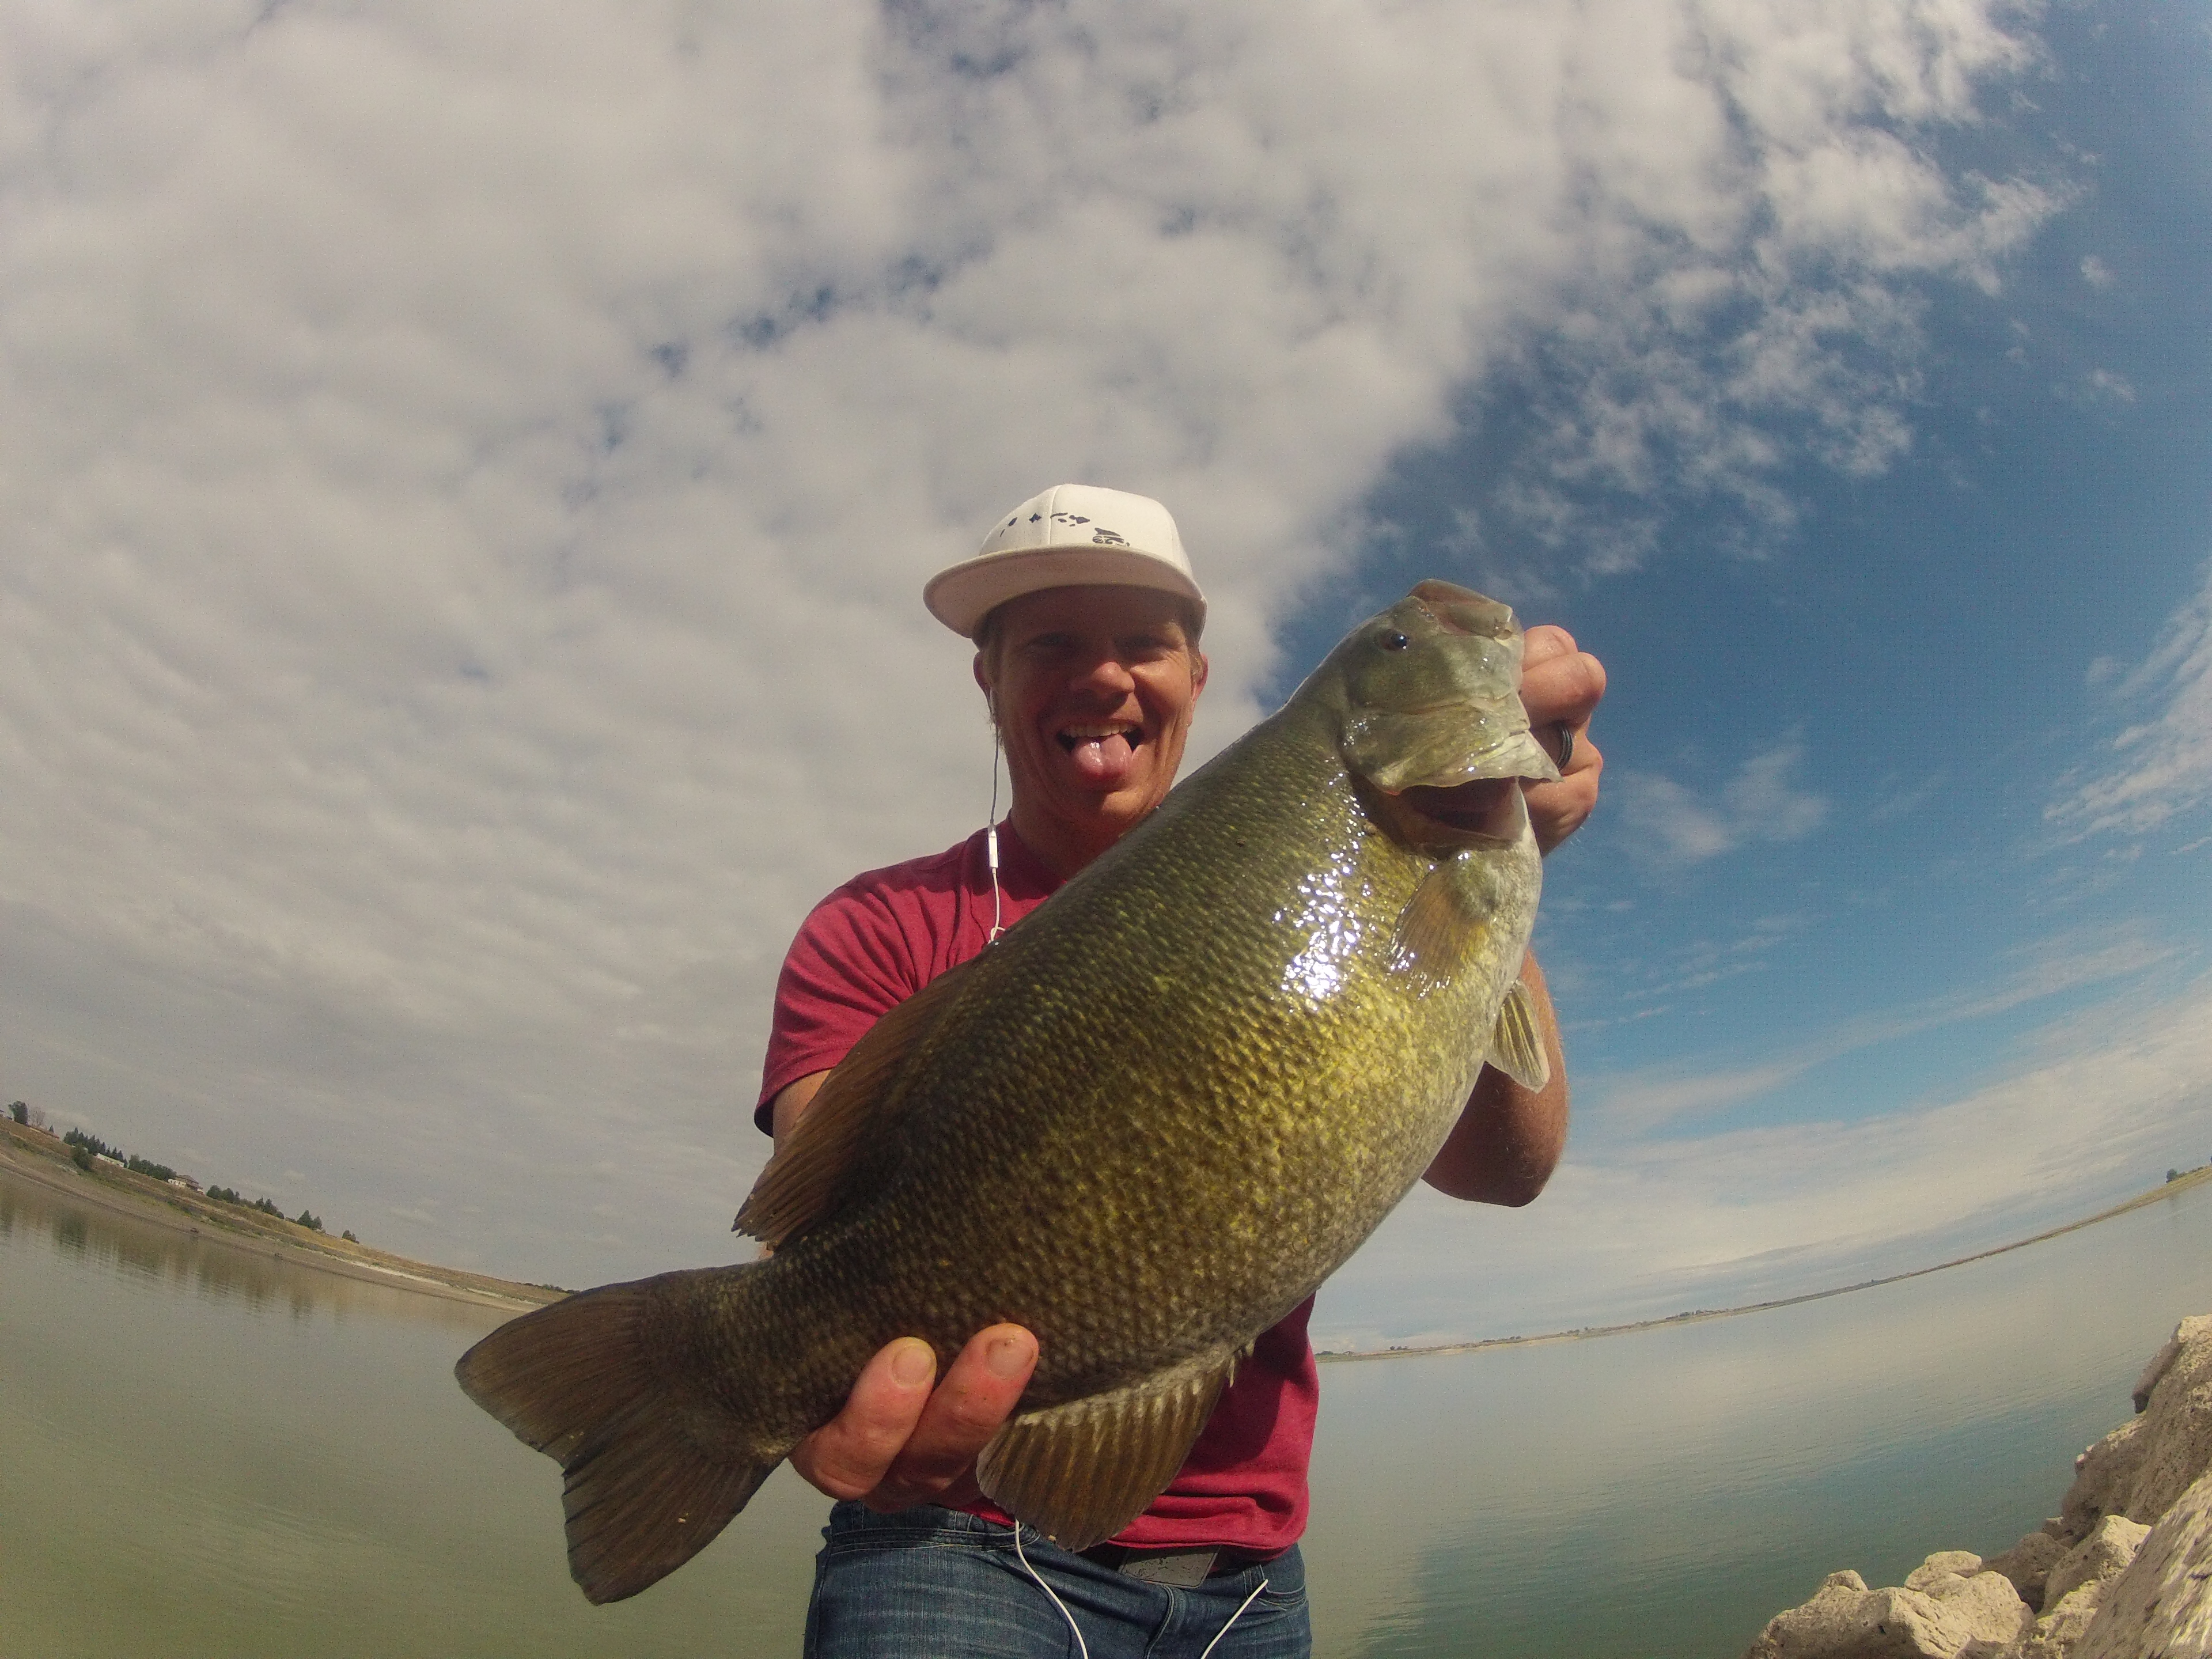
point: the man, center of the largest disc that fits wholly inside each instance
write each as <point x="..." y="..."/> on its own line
<point x="1086" y="621"/>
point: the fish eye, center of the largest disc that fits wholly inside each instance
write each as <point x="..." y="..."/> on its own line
<point x="1396" y="641"/>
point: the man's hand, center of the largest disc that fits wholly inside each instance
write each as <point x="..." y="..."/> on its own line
<point x="1561" y="688"/>
<point x="900" y="1442"/>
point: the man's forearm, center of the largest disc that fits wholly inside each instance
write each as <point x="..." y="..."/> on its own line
<point x="1508" y="1140"/>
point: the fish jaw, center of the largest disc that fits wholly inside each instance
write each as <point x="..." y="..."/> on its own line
<point x="1443" y="749"/>
<point x="1427" y="694"/>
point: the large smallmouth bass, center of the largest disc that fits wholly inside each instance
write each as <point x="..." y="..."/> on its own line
<point x="1145" y="1123"/>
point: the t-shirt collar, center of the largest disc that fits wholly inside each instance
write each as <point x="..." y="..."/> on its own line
<point x="1021" y="873"/>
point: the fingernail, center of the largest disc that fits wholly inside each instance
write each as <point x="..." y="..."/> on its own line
<point x="914" y="1363"/>
<point x="1006" y="1357"/>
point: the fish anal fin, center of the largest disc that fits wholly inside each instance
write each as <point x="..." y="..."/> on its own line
<point x="648" y="1481"/>
<point x="1081" y="1472"/>
<point x="821" y="1164"/>
<point x="1441" y="928"/>
<point x="1516" y="1043"/>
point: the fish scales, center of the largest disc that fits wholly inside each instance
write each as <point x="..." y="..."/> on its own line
<point x="1145" y="1123"/>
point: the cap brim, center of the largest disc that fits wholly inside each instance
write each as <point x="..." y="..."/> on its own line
<point x="962" y="595"/>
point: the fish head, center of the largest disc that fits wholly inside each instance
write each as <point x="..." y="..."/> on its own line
<point x="1428" y="696"/>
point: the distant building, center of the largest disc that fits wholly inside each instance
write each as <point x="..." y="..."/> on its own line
<point x="103" y="1158"/>
<point x="185" y="1183"/>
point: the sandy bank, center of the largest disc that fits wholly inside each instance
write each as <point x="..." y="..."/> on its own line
<point x="35" y="1156"/>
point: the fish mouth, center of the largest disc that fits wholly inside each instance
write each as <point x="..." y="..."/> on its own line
<point x="1487" y="807"/>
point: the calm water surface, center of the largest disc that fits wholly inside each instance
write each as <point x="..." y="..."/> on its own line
<point x="203" y="1452"/>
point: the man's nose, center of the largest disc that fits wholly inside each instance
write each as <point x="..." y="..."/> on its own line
<point x="1105" y="671"/>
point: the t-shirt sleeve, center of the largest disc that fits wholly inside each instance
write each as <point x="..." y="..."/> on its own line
<point x="850" y="964"/>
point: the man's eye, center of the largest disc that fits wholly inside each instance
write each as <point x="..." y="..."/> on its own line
<point x="1396" y="641"/>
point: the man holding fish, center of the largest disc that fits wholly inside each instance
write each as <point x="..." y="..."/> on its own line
<point x="1086" y="621"/>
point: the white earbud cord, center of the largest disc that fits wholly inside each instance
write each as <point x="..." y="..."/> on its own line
<point x="991" y="855"/>
<point x="1233" y="1617"/>
<point x="1082" y="1647"/>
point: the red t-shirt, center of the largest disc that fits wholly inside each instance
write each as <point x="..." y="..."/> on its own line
<point x="875" y="942"/>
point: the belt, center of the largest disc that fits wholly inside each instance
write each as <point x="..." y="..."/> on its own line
<point x="1178" y="1569"/>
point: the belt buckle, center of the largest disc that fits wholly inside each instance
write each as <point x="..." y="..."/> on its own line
<point x="1175" y="1569"/>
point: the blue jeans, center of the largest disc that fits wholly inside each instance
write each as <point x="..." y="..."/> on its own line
<point x="931" y="1581"/>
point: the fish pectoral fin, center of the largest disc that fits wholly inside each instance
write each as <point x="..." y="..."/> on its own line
<point x="642" y="1493"/>
<point x="1516" y="1042"/>
<point x="1081" y="1472"/>
<point x="1441" y="928"/>
<point x="825" y="1160"/>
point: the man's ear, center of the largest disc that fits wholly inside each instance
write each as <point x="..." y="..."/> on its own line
<point x="990" y="697"/>
<point x="1197" y="674"/>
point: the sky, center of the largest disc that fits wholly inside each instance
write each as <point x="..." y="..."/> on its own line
<point x="466" y="476"/>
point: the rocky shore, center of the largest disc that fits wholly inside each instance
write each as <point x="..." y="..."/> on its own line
<point x="2122" y="1571"/>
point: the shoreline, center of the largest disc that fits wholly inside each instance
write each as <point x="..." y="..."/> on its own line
<point x="2164" y="1189"/>
<point x="43" y="1160"/>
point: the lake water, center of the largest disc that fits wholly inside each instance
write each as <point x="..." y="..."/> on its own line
<point x="203" y="1452"/>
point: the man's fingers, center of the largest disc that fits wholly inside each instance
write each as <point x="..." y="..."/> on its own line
<point x="980" y="1391"/>
<point x="848" y="1456"/>
<point x="1565" y="687"/>
<point x="1561" y="688"/>
<point x="1544" y="640"/>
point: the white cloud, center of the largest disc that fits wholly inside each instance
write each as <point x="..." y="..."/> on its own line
<point x="1613" y="1108"/>
<point x="465" y="474"/>
<point x="1670" y="824"/>
<point x="2159" y="768"/>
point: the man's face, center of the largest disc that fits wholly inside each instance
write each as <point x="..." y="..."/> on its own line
<point x="1094" y="689"/>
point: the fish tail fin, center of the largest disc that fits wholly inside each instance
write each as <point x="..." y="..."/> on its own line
<point x="648" y="1483"/>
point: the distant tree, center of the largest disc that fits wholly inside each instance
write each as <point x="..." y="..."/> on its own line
<point x="225" y="1194"/>
<point x="82" y="1158"/>
<point x="266" y="1208"/>
<point x="348" y="1237"/>
<point x="147" y="1167"/>
<point x="94" y="1144"/>
<point x="20" y="1112"/>
<point x="310" y="1221"/>
<point x="2173" y="1174"/>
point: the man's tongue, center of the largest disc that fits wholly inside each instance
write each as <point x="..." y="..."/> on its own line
<point x="1102" y="760"/>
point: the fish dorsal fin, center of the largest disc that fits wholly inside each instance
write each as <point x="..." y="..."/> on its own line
<point x="1516" y="1043"/>
<point x="824" y="1162"/>
<point x="1081" y="1472"/>
<point x="1440" y="929"/>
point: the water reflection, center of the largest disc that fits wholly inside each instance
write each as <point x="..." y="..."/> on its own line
<point x="215" y="1268"/>
<point x="1664" y="1492"/>
<point x="205" y="1451"/>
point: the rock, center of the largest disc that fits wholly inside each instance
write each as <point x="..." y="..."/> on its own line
<point x="2141" y="1467"/>
<point x="2104" y="1555"/>
<point x="1984" y="1606"/>
<point x="1944" y="1564"/>
<point x="2161" y="1605"/>
<point x="1953" y="1617"/>
<point x="2027" y="1564"/>
<point x="2125" y="1571"/>
<point x="2057" y="1632"/>
<point x="2104" y="1477"/>
<point x="2160" y="1364"/>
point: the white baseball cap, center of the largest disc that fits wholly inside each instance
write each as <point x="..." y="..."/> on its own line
<point x="1069" y="535"/>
